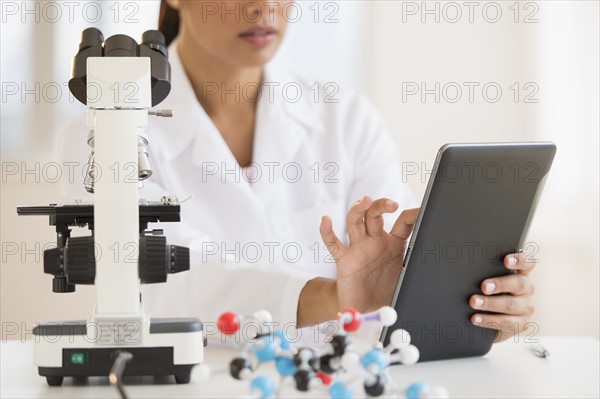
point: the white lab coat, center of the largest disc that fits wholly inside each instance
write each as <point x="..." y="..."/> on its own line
<point x="273" y="215"/>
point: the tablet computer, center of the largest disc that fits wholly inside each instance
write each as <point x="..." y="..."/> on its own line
<point x="477" y="208"/>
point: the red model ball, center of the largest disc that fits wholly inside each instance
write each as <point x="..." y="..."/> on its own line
<point x="354" y="323"/>
<point x="325" y="379"/>
<point x="228" y="323"/>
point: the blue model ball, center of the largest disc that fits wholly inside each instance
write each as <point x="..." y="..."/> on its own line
<point x="264" y="385"/>
<point x="374" y="357"/>
<point x="414" y="390"/>
<point x="285" y="366"/>
<point x="339" y="391"/>
<point x="285" y="342"/>
<point x="266" y="348"/>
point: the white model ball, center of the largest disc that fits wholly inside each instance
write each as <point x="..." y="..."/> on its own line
<point x="204" y="372"/>
<point x="245" y="374"/>
<point x="437" y="392"/>
<point x="263" y="316"/>
<point x="350" y="361"/>
<point x="400" y="339"/>
<point x="409" y="355"/>
<point x="387" y="316"/>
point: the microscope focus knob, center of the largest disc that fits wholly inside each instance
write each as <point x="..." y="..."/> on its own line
<point x="180" y="259"/>
<point x="153" y="259"/>
<point x="60" y="285"/>
<point x="157" y="259"/>
<point x="54" y="262"/>
<point x="76" y="261"/>
<point x="80" y="260"/>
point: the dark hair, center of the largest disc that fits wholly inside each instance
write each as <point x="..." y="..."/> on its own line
<point x="168" y="21"/>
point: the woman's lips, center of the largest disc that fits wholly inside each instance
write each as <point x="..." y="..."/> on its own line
<point x="259" y="37"/>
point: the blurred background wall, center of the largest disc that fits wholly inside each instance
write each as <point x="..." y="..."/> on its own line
<point x="438" y="72"/>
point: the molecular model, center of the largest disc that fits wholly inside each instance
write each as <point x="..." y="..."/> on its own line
<point x="336" y="369"/>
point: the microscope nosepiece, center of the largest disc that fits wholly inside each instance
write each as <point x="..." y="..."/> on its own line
<point x="90" y="174"/>
<point x="144" y="169"/>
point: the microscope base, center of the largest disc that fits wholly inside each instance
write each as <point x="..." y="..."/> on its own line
<point x="146" y="362"/>
<point x="170" y="347"/>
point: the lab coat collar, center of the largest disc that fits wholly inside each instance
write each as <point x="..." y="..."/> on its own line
<point x="281" y="121"/>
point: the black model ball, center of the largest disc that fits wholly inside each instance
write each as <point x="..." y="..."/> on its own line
<point x="302" y="379"/>
<point x="339" y="343"/>
<point x="306" y="358"/>
<point x="376" y="388"/>
<point x="238" y="366"/>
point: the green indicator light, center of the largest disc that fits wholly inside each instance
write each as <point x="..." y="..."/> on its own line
<point x="78" y="358"/>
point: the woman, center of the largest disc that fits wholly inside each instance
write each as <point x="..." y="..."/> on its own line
<point x="263" y="166"/>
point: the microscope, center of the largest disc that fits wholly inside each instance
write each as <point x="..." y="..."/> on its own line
<point x="119" y="81"/>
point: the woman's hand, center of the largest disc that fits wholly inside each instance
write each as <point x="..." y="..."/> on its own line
<point x="512" y="304"/>
<point x="368" y="269"/>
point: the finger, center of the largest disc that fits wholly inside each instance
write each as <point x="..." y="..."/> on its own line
<point x="405" y="223"/>
<point x="335" y="247"/>
<point x="516" y="284"/>
<point x="504" y="323"/>
<point x="518" y="261"/>
<point x="516" y="305"/>
<point x="355" y="221"/>
<point x="374" y="215"/>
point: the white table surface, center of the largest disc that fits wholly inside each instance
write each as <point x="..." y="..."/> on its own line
<point x="509" y="370"/>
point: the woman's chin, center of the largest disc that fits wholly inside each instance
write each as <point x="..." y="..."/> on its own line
<point x="254" y="60"/>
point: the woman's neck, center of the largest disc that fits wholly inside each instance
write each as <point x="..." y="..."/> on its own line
<point x="218" y="87"/>
<point x="228" y="95"/>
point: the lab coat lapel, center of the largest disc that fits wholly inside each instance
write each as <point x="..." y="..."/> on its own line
<point x="279" y="133"/>
<point x="209" y="153"/>
<point x="223" y="181"/>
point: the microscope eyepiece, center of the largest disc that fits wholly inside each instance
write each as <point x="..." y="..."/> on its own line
<point x="153" y="46"/>
<point x="89" y="38"/>
<point x="120" y="46"/>
<point x="155" y="40"/>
